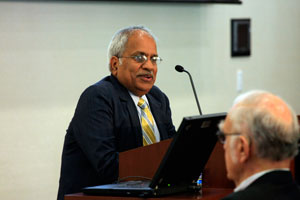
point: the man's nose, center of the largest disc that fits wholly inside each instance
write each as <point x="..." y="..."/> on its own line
<point x="149" y="64"/>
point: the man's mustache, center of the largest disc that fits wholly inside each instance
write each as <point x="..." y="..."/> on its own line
<point x="147" y="73"/>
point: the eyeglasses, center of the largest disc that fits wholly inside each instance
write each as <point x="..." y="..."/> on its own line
<point x="222" y="136"/>
<point x="143" y="58"/>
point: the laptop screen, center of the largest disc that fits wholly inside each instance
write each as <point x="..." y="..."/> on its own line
<point x="188" y="152"/>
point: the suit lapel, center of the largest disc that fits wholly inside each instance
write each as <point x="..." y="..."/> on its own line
<point x="157" y="112"/>
<point x="135" y="121"/>
<point x="128" y="103"/>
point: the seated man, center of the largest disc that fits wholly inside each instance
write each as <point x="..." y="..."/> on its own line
<point x="121" y="112"/>
<point x="260" y="136"/>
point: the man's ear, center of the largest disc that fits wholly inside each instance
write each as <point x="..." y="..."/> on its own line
<point x="243" y="149"/>
<point x="114" y="64"/>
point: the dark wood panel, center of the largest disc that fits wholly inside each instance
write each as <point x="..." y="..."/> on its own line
<point x="172" y="1"/>
<point x="142" y="161"/>
<point x="215" y="174"/>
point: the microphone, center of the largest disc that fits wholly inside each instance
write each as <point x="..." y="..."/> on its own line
<point x="179" y="68"/>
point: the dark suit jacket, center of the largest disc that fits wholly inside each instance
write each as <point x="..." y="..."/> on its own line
<point x="105" y="123"/>
<point x="276" y="185"/>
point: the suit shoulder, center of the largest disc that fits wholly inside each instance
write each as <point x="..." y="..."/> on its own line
<point x="102" y="86"/>
<point x="103" y="89"/>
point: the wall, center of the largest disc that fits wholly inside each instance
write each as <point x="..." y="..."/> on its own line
<point x="51" y="51"/>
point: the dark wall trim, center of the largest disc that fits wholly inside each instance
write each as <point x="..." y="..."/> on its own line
<point x="182" y="1"/>
<point x="137" y="1"/>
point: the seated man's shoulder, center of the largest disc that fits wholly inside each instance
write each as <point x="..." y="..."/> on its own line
<point x="265" y="192"/>
<point x="248" y="194"/>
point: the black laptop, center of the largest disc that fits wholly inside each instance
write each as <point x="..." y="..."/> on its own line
<point x="180" y="167"/>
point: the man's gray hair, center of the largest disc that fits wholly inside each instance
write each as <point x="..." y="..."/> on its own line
<point x="119" y="40"/>
<point x="274" y="138"/>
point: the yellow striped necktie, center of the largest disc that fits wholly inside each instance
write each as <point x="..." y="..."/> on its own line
<point x="147" y="123"/>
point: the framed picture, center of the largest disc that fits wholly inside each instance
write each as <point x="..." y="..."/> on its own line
<point x="240" y="37"/>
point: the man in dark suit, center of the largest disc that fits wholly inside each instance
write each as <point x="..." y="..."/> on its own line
<point x="107" y="119"/>
<point x="260" y="136"/>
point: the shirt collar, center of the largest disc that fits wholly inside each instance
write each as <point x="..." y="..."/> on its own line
<point x="137" y="98"/>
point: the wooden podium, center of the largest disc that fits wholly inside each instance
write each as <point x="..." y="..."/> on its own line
<point x="144" y="161"/>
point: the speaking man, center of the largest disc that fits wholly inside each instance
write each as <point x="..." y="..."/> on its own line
<point x="120" y="112"/>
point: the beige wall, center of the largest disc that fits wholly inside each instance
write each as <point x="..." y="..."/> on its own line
<point x="50" y="52"/>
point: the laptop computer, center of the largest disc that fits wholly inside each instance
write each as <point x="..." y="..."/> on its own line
<point x="181" y="165"/>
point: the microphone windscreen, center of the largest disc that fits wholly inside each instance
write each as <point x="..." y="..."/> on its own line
<point x="179" y="68"/>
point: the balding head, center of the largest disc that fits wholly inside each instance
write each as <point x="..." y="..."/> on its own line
<point x="270" y="122"/>
<point x="265" y="101"/>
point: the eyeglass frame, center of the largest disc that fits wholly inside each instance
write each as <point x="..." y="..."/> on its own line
<point x="222" y="136"/>
<point x="145" y="58"/>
